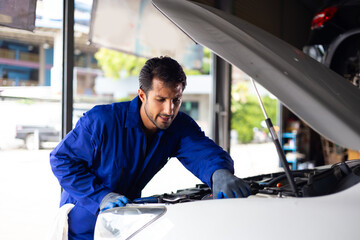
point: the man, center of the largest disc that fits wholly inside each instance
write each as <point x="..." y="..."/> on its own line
<point x="114" y="150"/>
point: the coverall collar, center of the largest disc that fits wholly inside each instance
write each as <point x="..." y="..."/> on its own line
<point x="133" y="119"/>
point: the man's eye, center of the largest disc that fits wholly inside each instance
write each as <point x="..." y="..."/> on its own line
<point x="160" y="100"/>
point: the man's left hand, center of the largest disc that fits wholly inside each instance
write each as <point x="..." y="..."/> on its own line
<point x="226" y="185"/>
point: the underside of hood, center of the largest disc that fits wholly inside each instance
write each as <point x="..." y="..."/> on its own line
<point x="320" y="97"/>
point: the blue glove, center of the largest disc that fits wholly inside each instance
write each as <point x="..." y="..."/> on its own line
<point x="112" y="200"/>
<point x="226" y="185"/>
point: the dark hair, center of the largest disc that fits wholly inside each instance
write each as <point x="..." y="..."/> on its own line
<point x="165" y="69"/>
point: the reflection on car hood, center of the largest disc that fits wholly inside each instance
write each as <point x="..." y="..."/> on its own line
<point x="317" y="95"/>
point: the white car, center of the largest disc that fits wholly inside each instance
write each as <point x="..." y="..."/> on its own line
<point x="327" y="205"/>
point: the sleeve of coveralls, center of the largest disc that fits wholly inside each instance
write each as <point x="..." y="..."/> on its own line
<point x="71" y="163"/>
<point x="199" y="154"/>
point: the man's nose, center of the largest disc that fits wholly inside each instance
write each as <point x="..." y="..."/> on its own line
<point x="169" y="108"/>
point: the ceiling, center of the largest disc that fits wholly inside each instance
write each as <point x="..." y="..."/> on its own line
<point x="287" y="19"/>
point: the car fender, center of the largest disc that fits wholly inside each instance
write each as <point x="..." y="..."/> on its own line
<point x="336" y="43"/>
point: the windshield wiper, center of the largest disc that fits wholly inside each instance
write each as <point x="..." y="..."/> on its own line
<point x="275" y="139"/>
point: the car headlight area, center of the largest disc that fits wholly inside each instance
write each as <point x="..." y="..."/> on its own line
<point x="124" y="222"/>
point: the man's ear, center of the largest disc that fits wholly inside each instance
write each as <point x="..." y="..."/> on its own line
<point x="142" y="95"/>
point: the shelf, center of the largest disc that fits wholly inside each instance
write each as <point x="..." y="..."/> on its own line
<point x="289" y="135"/>
<point x="287" y="148"/>
<point x="290" y="148"/>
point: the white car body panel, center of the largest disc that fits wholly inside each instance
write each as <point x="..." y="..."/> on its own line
<point x="261" y="218"/>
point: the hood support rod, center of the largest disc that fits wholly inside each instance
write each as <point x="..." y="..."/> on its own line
<point x="275" y="139"/>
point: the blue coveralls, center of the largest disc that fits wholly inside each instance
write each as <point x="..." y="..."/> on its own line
<point x="105" y="152"/>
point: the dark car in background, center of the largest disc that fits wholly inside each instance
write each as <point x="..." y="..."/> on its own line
<point x="335" y="38"/>
<point x="334" y="41"/>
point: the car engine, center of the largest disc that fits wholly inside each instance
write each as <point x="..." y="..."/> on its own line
<point x="309" y="182"/>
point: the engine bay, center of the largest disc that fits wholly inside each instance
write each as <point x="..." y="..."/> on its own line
<point x="309" y="183"/>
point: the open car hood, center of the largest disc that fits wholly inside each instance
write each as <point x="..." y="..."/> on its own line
<point x="323" y="99"/>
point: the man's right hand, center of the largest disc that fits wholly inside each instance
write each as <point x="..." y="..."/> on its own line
<point x="112" y="200"/>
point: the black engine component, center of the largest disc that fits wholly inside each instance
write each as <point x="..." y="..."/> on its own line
<point x="309" y="182"/>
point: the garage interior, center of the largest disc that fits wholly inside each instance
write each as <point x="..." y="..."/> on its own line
<point x="290" y="21"/>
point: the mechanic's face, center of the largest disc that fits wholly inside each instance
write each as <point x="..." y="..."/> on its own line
<point x="160" y="105"/>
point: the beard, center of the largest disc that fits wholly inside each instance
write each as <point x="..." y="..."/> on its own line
<point x="159" y="125"/>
